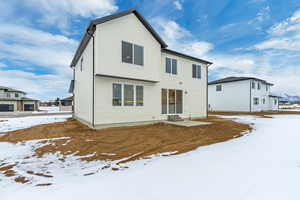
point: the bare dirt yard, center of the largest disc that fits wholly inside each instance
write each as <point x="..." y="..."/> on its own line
<point x="127" y="143"/>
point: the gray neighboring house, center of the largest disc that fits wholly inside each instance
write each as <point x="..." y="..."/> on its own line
<point x="12" y="100"/>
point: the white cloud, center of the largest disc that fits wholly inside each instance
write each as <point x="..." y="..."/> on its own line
<point x="177" y="4"/>
<point x="37" y="47"/>
<point x="261" y="66"/>
<point x="2" y="65"/>
<point x="284" y="35"/>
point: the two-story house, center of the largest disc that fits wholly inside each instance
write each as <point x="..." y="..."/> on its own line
<point x="241" y="94"/>
<point x="12" y="100"/>
<point x="124" y="74"/>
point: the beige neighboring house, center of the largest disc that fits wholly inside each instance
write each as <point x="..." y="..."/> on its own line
<point x="124" y="74"/>
<point x="12" y="100"/>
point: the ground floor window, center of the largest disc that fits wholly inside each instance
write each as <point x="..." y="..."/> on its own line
<point x="275" y="101"/>
<point x="256" y="101"/>
<point x="129" y="94"/>
<point x="171" y="101"/>
<point x="28" y="107"/>
<point x="6" y="107"/>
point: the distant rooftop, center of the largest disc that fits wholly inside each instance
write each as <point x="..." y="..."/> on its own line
<point x="233" y="79"/>
<point x="11" y="89"/>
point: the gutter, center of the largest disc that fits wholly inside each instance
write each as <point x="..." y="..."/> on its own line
<point x="93" y="96"/>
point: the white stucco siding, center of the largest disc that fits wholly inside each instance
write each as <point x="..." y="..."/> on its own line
<point x="235" y="96"/>
<point x="106" y="113"/>
<point x="108" y="49"/>
<point x="84" y="85"/>
<point x="194" y="90"/>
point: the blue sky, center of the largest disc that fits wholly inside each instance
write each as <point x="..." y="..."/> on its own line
<point x="259" y="38"/>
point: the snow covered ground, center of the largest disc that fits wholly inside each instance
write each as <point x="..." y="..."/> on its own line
<point x="49" y="109"/>
<point x="11" y="124"/>
<point x="262" y="165"/>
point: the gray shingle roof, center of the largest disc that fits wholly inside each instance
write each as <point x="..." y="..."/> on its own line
<point x="10" y="89"/>
<point x="233" y="79"/>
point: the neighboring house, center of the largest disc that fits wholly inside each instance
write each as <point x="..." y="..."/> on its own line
<point x="12" y="100"/>
<point x="242" y="94"/>
<point x="66" y="104"/>
<point x="124" y="73"/>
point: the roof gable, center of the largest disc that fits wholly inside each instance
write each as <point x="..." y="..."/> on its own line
<point x="92" y="27"/>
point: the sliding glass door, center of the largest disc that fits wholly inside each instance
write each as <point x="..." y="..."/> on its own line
<point x="171" y="101"/>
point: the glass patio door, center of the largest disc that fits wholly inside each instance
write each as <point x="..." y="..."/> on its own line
<point x="171" y="101"/>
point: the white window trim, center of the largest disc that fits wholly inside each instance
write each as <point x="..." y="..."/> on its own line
<point x="171" y="73"/>
<point x="175" y="102"/>
<point x="198" y="68"/>
<point x="134" y="94"/>
<point x="133" y="44"/>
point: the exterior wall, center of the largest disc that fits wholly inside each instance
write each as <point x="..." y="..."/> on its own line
<point x="83" y="90"/>
<point x="271" y="103"/>
<point x="194" y="90"/>
<point x="109" y="53"/>
<point x="235" y="96"/>
<point x="3" y="94"/>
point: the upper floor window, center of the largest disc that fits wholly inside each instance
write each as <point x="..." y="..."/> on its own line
<point x="196" y="71"/>
<point x="81" y="64"/>
<point x="258" y="86"/>
<point x="267" y="87"/>
<point x="253" y="85"/>
<point x="171" y="66"/>
<point x="8" y="95"/>
<point x="16" y="95"/>
<point x="256" y="101"/>
<point x="132" y="53"/>
<point x="218" y="88"/>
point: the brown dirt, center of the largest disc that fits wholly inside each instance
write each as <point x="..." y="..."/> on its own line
<point x="3" y="120"/>
<point x="9" y="173"/>
<point x="21" y="179"/>
<point x="44" y="184"/>
<point x="7" y="167"/>
<point x="39" y="174"/>
<point x="260" y="114"/>
<point x="126" y="142"/>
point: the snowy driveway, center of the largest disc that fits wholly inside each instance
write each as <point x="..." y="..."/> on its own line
<point x="262" y="165"/>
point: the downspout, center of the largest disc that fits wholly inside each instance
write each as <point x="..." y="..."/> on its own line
<point x="93" y="93"/>
<point x="250" y="96"/>
<point x="207" y="89"/>
<point x="73" y="106"/>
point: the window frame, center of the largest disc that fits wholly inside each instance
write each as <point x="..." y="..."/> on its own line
<point x="219" y="88"/>
<point x="81" y="64"/>
<point x="255" y="101"/>
<point x="173" y="66"/>
<point x="17" y="95"/>
<point x="196" y="71"/>
<point x="134" y="48"/>
<point x="253" y="85"/>
<point x="121" y="95"/>
<point x="125" y="103"/>
<point x="136" y="95"/>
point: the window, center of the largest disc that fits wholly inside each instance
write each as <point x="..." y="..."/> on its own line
<point x="253" y="85"/>
<point x="132" y="53"/>
<point x="28" y="107"/>
<point x="117" y="94"/>
<point x="264" y="101"/>
<point x="81" y="64"/>
<point x="16" y="95"/>
<point x="8" y="95"/>
<point x="128" y="95"/>
<point x="6" y="107"/>
<point x="171" y="66"/>
<point x="164" y="101"/>
<point x="256" y="101"/>
<point x="218" y="88"/>
<point x="139" y="95"/>
<point x="258" y="86"/>
<point x="267" y="88"/>
<point x="138" y="55"/>
<point x="127" y="52"/>
<point x="196" y="71"/>
<point x="178" y="101"/>
<point x="275" y="101"/>
<point x="171" y="101"/>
